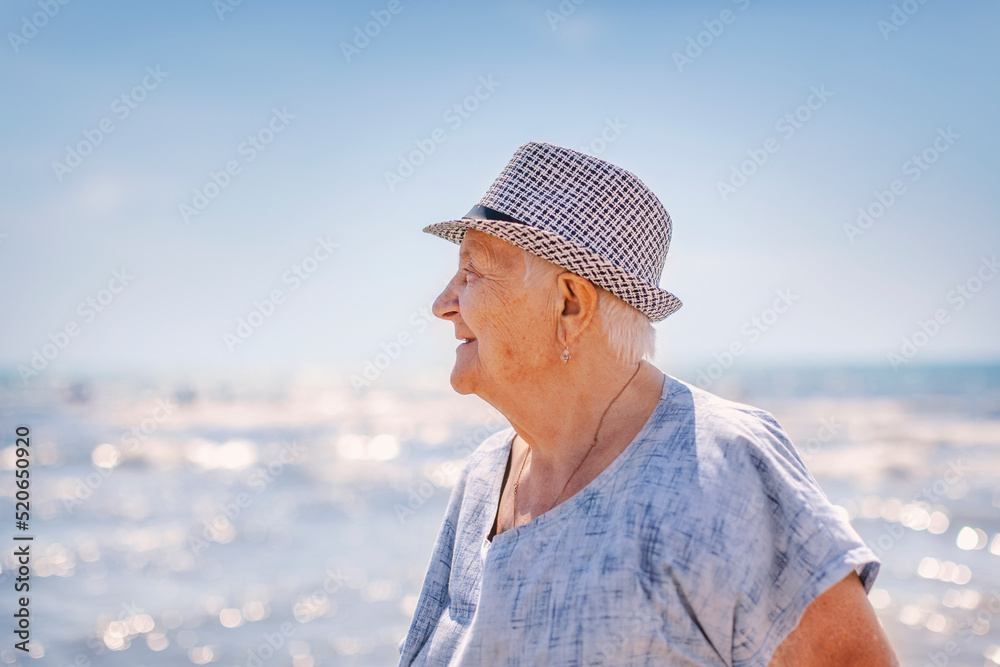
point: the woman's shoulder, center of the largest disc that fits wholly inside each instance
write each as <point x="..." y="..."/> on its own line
<point x="717" y="468"/>
<point x="483" y="458"/>
<point x="492" y="446"/>
<point x="702" y="448"/>
<point x="709" y="427"/>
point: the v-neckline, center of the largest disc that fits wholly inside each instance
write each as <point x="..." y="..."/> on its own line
<point x="503" y="484"/>
<point x="489" y="537"/>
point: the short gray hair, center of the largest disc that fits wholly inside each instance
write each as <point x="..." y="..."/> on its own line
<point x="630" y="333"/>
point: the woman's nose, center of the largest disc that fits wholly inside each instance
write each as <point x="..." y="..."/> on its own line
<point x="446" y="303"/>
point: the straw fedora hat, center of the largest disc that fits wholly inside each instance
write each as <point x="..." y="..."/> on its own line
<point x="583" y="214"/>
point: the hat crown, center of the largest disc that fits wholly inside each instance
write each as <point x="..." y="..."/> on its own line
<point x="592" y="203"/>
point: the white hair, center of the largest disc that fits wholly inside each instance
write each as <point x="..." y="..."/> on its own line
<point x="629" y="332"/>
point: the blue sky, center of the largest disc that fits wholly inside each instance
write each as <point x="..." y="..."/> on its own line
<point x="328" y="128"/>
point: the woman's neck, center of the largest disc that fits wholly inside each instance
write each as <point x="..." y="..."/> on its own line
<point x="559" y="420"/>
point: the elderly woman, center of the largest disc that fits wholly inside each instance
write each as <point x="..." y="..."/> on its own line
<point x="625" y="517"/>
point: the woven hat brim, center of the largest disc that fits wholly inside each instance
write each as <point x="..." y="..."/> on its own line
<point x="655" y="302"/>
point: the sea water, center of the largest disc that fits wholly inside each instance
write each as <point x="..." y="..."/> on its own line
<point x="288" y="520"/>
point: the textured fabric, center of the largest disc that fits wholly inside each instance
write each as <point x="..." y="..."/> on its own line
<point x="701" y="544"/>
<point x="583" y="214"/>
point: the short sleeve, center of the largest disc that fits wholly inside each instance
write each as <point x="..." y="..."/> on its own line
<point x="794" y="543"/>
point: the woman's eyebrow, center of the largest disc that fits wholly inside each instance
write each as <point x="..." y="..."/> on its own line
<point x="474" y="249"/>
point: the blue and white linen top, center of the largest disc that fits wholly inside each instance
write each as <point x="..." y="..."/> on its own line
<point x="702" y="543"/>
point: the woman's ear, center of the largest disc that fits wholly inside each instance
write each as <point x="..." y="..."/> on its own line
<point x="576" y="305"/>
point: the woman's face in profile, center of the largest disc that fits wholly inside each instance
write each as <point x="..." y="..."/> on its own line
<point x="487" y="302"/>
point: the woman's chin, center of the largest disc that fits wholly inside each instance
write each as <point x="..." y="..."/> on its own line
<point x="462" y="379"/>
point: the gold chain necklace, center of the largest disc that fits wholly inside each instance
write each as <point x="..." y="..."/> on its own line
<point x="599" y="423"/>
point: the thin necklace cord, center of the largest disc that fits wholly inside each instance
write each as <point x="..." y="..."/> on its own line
<point x="578" y="465"/>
